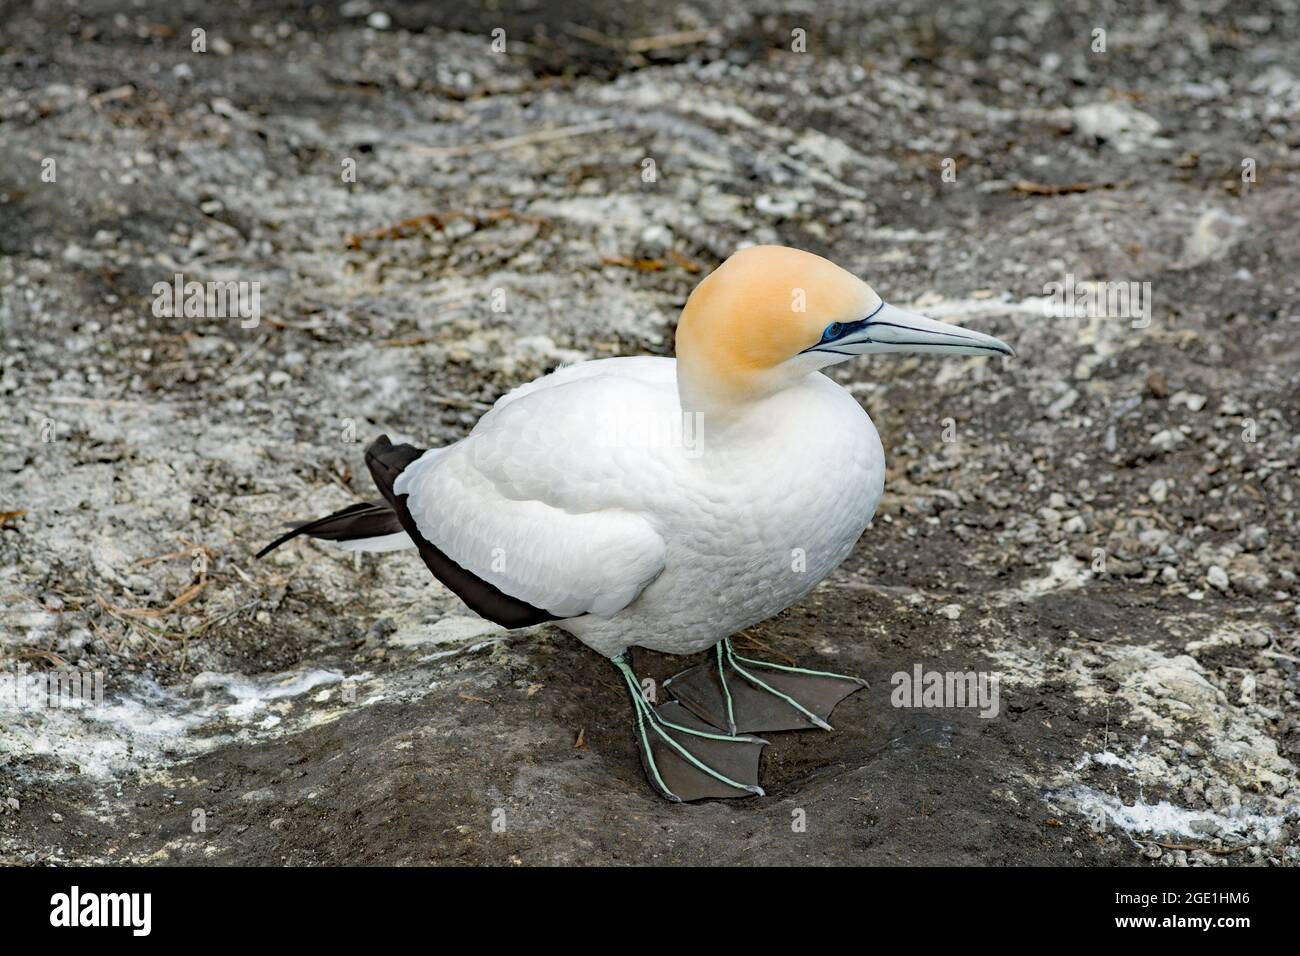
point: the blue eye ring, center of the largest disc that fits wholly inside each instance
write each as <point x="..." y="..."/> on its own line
<point x="832" y="331"/>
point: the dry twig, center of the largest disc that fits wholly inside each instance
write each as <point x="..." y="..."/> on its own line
<point x="1049" y="189"/>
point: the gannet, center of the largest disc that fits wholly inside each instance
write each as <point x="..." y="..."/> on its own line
<point x="669" y="503"/>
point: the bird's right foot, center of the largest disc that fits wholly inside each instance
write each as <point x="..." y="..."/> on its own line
<point x="685" y="758"/>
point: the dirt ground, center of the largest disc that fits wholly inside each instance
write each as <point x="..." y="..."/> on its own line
<point x="1106" y="523"/>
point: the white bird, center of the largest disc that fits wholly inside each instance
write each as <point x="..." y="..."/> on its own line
<point x="669" y="503"/>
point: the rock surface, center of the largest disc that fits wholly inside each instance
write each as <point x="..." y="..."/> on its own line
<point x="1106" y="524"/>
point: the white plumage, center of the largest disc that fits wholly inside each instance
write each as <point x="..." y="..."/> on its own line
<point x="588" y="493"/>
<point x="397" y="541"/>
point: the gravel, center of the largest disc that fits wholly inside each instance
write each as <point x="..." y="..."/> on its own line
<point x="1107" y="523"/>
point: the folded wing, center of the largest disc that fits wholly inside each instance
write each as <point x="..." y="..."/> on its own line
<point x="547" y="498"/>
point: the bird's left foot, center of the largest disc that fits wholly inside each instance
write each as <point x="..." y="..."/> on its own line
<point x="740" y="695"/>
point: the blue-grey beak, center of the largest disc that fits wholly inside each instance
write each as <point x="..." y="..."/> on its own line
<point x="891" y="329"/>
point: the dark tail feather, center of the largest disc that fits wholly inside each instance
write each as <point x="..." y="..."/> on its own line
<point x="361" y="520"/>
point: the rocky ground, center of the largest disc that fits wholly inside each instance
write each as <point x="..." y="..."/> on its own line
<point x="1107" y="523"/>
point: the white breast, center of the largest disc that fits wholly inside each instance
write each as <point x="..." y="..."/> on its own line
<point x="587" y="493"/>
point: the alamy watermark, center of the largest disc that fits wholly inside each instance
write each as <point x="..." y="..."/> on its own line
<point x="1072" y="299"/>
<point x="65" y="688"/>
<point x="685" y="431"/>
<point x="226" y="299"/>
<point x="946" y="689"/>
<point x="75" y="908"/>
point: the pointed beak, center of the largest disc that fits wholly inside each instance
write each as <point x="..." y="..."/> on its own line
<point x="891" y="329"/>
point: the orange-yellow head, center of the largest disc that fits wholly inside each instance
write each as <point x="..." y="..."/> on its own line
<point x="771" y="315"/>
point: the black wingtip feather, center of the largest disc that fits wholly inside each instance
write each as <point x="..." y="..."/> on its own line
<point x="365" y="519"/>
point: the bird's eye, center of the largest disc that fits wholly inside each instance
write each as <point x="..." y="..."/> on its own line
<point x="832" y="331"/>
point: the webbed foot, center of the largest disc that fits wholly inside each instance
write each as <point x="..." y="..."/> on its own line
<point x="685" y="758"/>
<point x="741" y="695"/>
